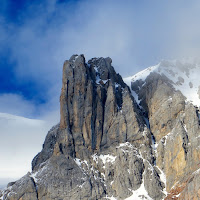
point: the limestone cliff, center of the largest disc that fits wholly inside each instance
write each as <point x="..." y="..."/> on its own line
<point x="170" y="101"/>
<point x="116" y="141"/>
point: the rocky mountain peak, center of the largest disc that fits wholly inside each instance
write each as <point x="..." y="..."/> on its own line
<point x="92" y="95"/>
<point x="136" y="138"/>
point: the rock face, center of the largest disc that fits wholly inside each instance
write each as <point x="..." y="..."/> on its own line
<point x="115" y="141"/>
<point x="174" y="122"/>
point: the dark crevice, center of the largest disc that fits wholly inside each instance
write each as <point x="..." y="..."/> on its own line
<point x="103" y="101"/>
<point x="126" y="125"/>
<point x="61" y="148"/>
<point x="68" y="113"/>
<point x="198" y="115"/>
<point x="185" y="140"/>
<point x="93" y="120"/>
<point x="153" y="139"/>
<point x="119" y="99"/>
<point x="69" y="124"/>
<point x="36" y="187"/>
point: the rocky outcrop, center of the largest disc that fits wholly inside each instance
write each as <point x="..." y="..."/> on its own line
<point x="22" y="189"/>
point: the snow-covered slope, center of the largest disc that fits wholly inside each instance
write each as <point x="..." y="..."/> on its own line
<point x="21" y="140"/>
<point x="184" y="74"/>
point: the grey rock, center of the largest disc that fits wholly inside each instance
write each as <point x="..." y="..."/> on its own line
<point x="48" y="147"/>
<point x="174" y="123"/>
<point x="23" y="189"/>
<point x="104" y="143"/>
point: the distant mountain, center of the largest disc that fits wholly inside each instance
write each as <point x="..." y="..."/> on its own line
<point x="136" y="138"/>
<point x="183" y="74"/>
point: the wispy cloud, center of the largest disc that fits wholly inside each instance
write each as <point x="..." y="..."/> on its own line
<point x="16" y="105"/>
<point x="135" y="34"/>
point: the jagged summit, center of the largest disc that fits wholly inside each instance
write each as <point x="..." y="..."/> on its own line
<point x="138" y="140"/>
<point x="92" y="95"/>
<point x="182" y="74"/>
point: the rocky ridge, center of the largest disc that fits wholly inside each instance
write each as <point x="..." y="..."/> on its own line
<point x="168" y="95"/>
<point x="118" y="141"/>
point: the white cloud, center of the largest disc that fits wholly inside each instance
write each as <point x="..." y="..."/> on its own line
<point x="134" y="34"/>
<point x="16" y="105"/>
<point x="21" y="140"/>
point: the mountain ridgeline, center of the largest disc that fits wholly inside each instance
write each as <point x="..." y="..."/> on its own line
<point x="137" y="138"/>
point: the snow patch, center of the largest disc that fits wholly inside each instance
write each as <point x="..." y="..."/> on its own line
<point x="107" y="158"/>
<point x="154" y="144"/>
<point x="163" y="179"/>
<point x="128" y="81"/>
<point x="104" y="158"/>
<point x="184" y="75"/>
<point x="134" y="94"/>
<point x="80" y="162"/>
<point x="140" y="193"/>
<point x="77" y="161"/>
<point x="177" y="195"/>
<point x="142" y="74"/>
<point x="197" y="171"/>
<point x="110" y="198"/>
<point x="184" y="126"/>
<point x="33" y="175"/>
<point x="81" y="185"/>
<point x="126" y="144"/>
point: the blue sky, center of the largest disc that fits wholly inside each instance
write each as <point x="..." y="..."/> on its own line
<point x="36" y="37"/>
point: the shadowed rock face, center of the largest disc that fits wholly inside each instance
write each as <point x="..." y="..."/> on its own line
<point x="91" y="96"/>
<point x="104" y="144"/>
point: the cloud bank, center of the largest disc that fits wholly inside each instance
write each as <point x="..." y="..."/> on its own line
<point x="22" y="139"/>
<point x="135" y="34"/>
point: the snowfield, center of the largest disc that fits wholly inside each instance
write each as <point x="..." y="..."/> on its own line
<point x="184" y="74"/>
